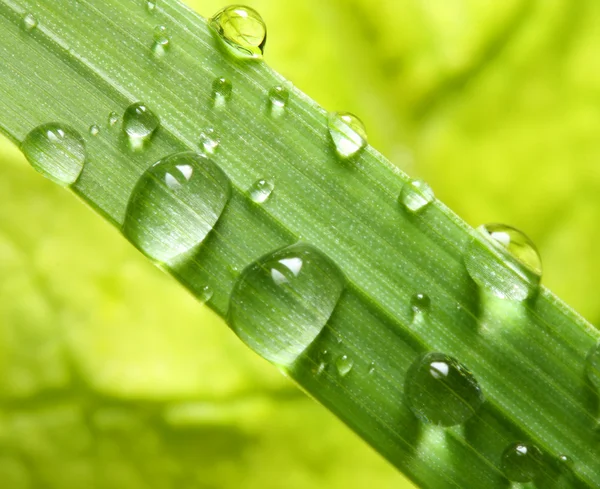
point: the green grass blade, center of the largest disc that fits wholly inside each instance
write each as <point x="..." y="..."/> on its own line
<point x="87" y="59"/>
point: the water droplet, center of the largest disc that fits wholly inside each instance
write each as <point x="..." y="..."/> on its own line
<point x="347" y="132"/>
<point x="139" y="122"/>
<point x="205" y="294"/>
<point x="94" y="130"/>
<point x="29" y="22"/>
<point x="593" y="366"/>
<point x="221" y="91"/>
<point x="323" y="361"/>
<point x="522" y="462"/>
<point x="503" y="260"/>
<point x="162" y="40"/>
<point x="565" y="463"/>
<point x="371" y="368"/>
<point x="242" y="28"/>
<point x="175" y="204"/>
<point x="344" y="365"/>
<point x="420" y="303"/>
<point x="442" y="391"/>
<point x="151" y="6"/>
<point x="261" y="190"/>
<point x="281" y="302"/>
<point x="209" y="141"/>
<point x="416" y="195"/>
<point x="278" y="99"/>
<point x="113" y="118"/>
<point x="56" y="151"/>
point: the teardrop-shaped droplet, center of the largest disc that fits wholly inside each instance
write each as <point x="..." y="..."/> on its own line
<point x="29" y="22"/>
<point x="278" y="99"/>
<point x="344" y="365"/>
<point x="175" y="204"/>
<point x="113" y="118"/>
<point x="56" y="151"/>
<point x="593" y="366"/>
<point x="281" y="302"/>
<point x="242" y="28"/>
<point x="261" y="190"/>
<point x="162" y="40"/>
<point x="139" y="122"/>
<point x="221" y="91"/>
<point x="416" y="195"/>
<point x="94" y="130"/>
<point x="347" y="132"/>
<point x="151" y="6"/>
<point x="209" y="141"/>
<point x="522" y="462"/>
<point x="442" y="391"/>
<point x="504" y="261"/>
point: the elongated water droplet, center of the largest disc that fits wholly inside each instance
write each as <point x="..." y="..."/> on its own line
<point x="162" y="40"/>
<point x="139" y="122"/>
<point x="209" y="141"/>
<point x="221" y="91"/>
<point x="522" y="462"/>
<point x="29" y="22"/>
<point x="56" y="151"/>
<point x="278" y="99"/>
<point x="344" y="365"/>
<point x="261" y="190"/>
<point x="242" y="28"/>
<point x="175" y="204"/>
<point x="151" y="6"/>
<point x="113" y="118"/>
<point x="593" y="366"/>
<point x="504" y="261"/>
<point x="415" y="195"/>
<point x="347" y="132"/>
<point x="371" y="368"/>
<point x="94" y="130"/>
<point x="281" y="302"/>
<point x="442" y="391"/>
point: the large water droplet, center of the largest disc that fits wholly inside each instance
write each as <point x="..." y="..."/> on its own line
<point x="261" y="190"/>
<point x="175" y="204"/>
<point x="242" y="28"/>
<point x="29" y="22"/>
<point x="505" y="261"/>
<point x="344" y="365"/>
<point x="593" y="366"/>
<point x="281" y="302"/>
<point x="522" y="462"/>
<point x="209" y="141"/>
<point x="162" y="39"/>
<point x="139" y="122"/>
<point x="278" y="99"/>
<point x="415" y="195"/>
<point x="221" y="91"/>
<point x="347" y="132"/>
<point x="56" y="151"/>
<point x="442" y="391"/>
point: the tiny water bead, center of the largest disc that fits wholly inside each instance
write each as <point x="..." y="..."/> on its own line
<point x="442" y="391"/>
<point x="162" y="40"/>
<point x="139" y="122"/>
<point x="344" y="365"/>
<point x="593" y="366"/>
<point x="113" y="118"/>
<point x="242" y="28"/>
<point x="416" y="195"/>
<point x="347" y="132"/>
<point x="420" y="303"/>
<point x="175" y="204"/>
<point x="504" y="261"/>
<point x="205" y="294"/>
<point x="56" y="151"/>
<point x="281" y="302"/>
<point x="278" y="99"/>
<point x="261" y="190"/>
<point x="94" y="130"/>
<point x="522" y="462"/>
<point x="209" y="141"/>
<point x="221" y="91"/>
<point x="151" y="6"/>
<point x="29" y="22"/>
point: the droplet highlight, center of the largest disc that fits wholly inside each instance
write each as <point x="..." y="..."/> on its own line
<point x="56" y="151"/>
<point x="175" y="204"/>
<point x="416" y="195"/>
<point x="344" y="365"/>
<point x="221" y="91"/>
<point x="281" y="302"/>
<point x="261" y="190"/>
<point x="278" y="99"/>
<point x="209" y="141"/>
<point x="347" y="132"/>
<point x="441" y="391"/>
<point x="29" y="22"/>
<point x="139" y="122"/>
<point x="242" y="28"/>
<point x="522" y="462"/>
<point x="504" y="261"/>
<point x="592" y="366"/>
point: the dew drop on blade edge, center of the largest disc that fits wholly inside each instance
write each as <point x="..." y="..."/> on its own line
<point x="241" y="28"/>
<point x="347" y="132"/>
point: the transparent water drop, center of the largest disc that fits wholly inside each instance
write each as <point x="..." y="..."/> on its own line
<point x="593" y="366"/>
<point x="281" y="302"/>
<point x="278" y="99"/>
<point x="175" y="204"/>
<point x="504" y="261"/>
<point x="261" y="190"/>
<point x="30" y="22"/>
<point x="205" y="294"/>
<point x="347" y="132"/>
<point x="322" y="363"/>
<point x="420" y="303"/>
<point x="162" y="40"/>
<point x="241" y="28"/>
<point x="221" y="91"/>
<point x="56" y="151"/>
<point x="113" y="118"/>
<point x="442" y="391"/>
<point x="151" y="6"/>
<point x="371" y="368"/>
<point x="139" y="122"/>
<point x="344" y="365"/>
<point x="209" y="141"/>
<point x="522" y="462"/>
<point x="416" y="195"/>
<point x="94" y="130"/>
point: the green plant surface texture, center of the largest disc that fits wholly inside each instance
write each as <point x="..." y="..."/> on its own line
<point x="113" y="378"/>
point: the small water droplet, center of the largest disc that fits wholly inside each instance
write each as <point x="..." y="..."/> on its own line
<point x="505" y="261"/>
<point x="442" y="391"/>
<point x="416" y="195"/>
<point x="205" y="294"/>
<point x="565" y="463"/>
<point x="94" y="130"/>
<point x="221" y="91"/>
<point x="209" y="141"/>
<point x="347" y="132"/>
<point x="175" y="204"/>
<point x="278" y="99"/>
<point x="261" y="190"/>
<point x="371" y="368"/>
<point x="242" y="28"/>
<point x="420" y="303"/>
<point x="56" y="151"/>
<point x="162" y="40"/>
<point x="522" y="462"/>
<point x="281" y="302"/>
<point x="344" y="365"/>
<point x="151" y="6"/>
<point x="323" y="361"/>
<point x="29" y="22"/>
<point x="593" y="366"/>
<point x="139" y="123"/>
<point x="113" y="118"/>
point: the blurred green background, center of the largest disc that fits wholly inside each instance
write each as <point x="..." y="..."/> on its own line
<point x="113" y="377"/>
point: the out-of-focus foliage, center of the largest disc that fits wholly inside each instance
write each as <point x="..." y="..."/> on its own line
<point x="111" y="375"/>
